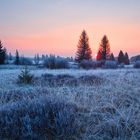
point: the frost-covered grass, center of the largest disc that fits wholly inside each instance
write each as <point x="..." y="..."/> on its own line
<point x="71" y="105"/>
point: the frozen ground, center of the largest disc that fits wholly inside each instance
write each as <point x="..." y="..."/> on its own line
<point x="108" y="101"/>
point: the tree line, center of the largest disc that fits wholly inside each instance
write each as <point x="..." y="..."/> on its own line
<point x="4" y="56"/>
<point x="84" y="51"/>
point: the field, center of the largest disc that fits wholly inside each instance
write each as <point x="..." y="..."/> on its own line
<point x="70" y="105"/>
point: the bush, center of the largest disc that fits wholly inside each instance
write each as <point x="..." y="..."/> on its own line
<point x="38" y="119"/>
<point x="59" y="80"/>
<point x="137" y="64"/>
<point x="88" y="64"/>
<point x="25" y="77"/>
<point x="91" y="79"/>
<point x="53" y="62"/>
<point x="61" y="63"/>
<point x="25" y="61"/>
<point x="121" y="65"/>
<point x="100" y="63"/>
<point x="111" y="65"/>
<point x="49" y="62"/>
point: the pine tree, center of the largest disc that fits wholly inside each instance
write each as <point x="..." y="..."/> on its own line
<point x="112" y="57"/>
<point x="25" y="77"/>
<point x="17" y="61"/>
<point x="36" y="59"/>
<point x="2" y="54"/>
<point x="121" y="57"/>
<point x="84" y="51"/>
<point x="127" y="61"/>
<point x="104" y="49"/>
<point x="99" y="56"/>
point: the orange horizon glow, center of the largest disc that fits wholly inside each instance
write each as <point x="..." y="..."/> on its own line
<point x="63" y="41"/>
<point x="54" y="26"/>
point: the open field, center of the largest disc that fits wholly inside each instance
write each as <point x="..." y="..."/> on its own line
<point x="84" y="105"/>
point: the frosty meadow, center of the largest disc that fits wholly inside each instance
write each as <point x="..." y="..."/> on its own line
<point x="70" y="70"/>
<point x="70" y="104"/>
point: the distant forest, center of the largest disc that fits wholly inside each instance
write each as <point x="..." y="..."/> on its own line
<point x="83" y="56"/>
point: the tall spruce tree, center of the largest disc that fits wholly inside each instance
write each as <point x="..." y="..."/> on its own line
<point x="126" y="61"/>
<point x="121" y="57"/>
<point x="84" y="51"/>
<point x="104" y="49"/>
<point x="2" y="53"/>
<point x="99" y="56"/>
<point x="17" y="61"/>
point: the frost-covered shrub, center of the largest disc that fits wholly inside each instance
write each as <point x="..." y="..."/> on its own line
<point x="69" y="80"/>
<point x="87" y="64"/>
<point x="87" y="79"/>
<point x="137" y="64"/>
<point x="61" y="63"/>
<point x="53" y="62"/>
<point x="100" y="63"/>
<point x="38" y="119"/>
<point x="121" y="65"/>
<point x="47" y="76"/>
<point x="25" y="77"/>
<point x="49" y="62"/>
<point x="111" y="65"/>
<point x="59" y="80"/>
<point x="25" y="61"/>
<point x="73" y="65"/>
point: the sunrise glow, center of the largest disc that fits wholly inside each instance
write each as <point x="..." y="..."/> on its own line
<point x="54" y="27"/>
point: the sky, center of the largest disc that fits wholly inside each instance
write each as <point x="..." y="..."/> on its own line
<point x="54" y="26"/>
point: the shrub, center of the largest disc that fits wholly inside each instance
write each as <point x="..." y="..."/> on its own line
<point x="47" y="76"/>
<point x="61" y="63"/>
<point x="49" y="62"/>
<point x="88" y="64"/>
<point x="25" y="61"/>
<point x="100" y="63"/>
<point x="38" y="119"/>
<point x="137" y="64"/>
<point x="121" y="65"/>
<point x="69" y="80"/>
<point x="59" y="80"/>
<point x="53" y="62"/>
<point x="25" y="77"/>
<point x="111" y="65"/>
<point x="90" y="79"/>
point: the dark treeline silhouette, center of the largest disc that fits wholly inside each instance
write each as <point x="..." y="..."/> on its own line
<point x="104" y="52"/>
<point x="2" y="54"/>
<point x="84" y="53"/>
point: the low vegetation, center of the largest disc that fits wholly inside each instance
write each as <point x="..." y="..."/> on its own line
<point x="137" y="64"/>
<point x="111" y="65"/>
<point x="42" y="118"/>
<point x="42" y="102"/>
<point x="71" y="105"/>
<point x="53" y="62"/>
<point x="25" y="77"/>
